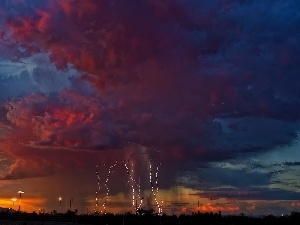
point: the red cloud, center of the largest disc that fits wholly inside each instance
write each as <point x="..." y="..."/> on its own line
<point x="105" y="46"/>
<point x="135" y="49"/>
<point x="73" y="121"/>
<point x="37" y="161"/>
<point x="179" y="54"/>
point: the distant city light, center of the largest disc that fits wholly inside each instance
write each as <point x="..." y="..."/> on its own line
<point x="20" y="193"/>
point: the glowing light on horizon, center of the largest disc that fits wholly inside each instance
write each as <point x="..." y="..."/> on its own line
<point x="13" y="201"/>
<point x="60" y="200"/>
<point x="20" y="193"/>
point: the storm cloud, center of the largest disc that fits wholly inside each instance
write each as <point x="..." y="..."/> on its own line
<point x="201" y="81"/>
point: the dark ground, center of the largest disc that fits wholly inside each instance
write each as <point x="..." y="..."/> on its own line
<point x="144" y="218"/>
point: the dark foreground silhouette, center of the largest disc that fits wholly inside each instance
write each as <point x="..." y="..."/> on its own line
<point x="144" y="217"/>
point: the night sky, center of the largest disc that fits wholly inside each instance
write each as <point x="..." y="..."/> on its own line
<point x="205" y="92"/>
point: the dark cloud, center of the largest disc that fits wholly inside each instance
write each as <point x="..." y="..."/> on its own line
<point x="292" y="163"/>
<point x="16" y="86"/>
<point x="252" y="194"/>
<point x="36" y="74"/>
<point x="209" y="178"/>
<point x="202" y="81"/>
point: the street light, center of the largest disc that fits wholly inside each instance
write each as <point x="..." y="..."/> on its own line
<point x="20" y="193"/>
<point x="60" y="199"/>
<point x="13" y="201"/>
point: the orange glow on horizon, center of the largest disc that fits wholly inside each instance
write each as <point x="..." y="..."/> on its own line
<point x="27" y="205"/>
<point x="212" y="207"/>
